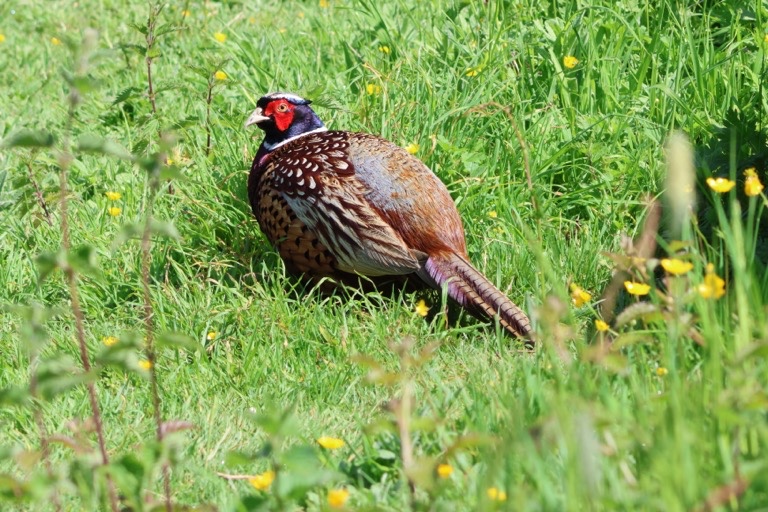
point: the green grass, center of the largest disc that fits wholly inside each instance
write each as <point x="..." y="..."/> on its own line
<point x="576" y="425"/>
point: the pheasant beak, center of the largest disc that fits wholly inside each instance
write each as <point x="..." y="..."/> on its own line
<point x="256" y="118"/>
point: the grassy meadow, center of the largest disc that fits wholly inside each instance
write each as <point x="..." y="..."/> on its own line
<point x="155" y="355"/>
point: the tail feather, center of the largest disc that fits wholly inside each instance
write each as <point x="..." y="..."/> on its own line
<point x="474" y="292"/>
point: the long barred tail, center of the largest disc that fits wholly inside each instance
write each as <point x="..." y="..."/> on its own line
<point x="475" y="293"/>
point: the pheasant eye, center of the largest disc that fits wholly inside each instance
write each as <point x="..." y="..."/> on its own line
<point x="282" y="107"/>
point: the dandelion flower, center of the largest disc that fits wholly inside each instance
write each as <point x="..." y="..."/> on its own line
<point x="211" y="335"/>
<point x="144" y="364"/>
<point x="113" y="196"/>
<point x="421" y="308"/>
<point x="330" y="443"/>
<point x="372" y="89"/>
<point x="569" y="61"/>
<point x="579" y="296"/>
<point x="220" y="75"/>
<point x="109" y="340"/>
<point x="601" y="326"/>
<point x="325" y="4"/>
<point x="444" y="470"/>
<point x="220" y="37"/>
<point x="55" y="41"/>
<point x="496" y="494"/>
<point x="752" y="185"/>
<point x="337" y="497"/>
<point x="720" y="185"/>
<point x="675" y="266"/>
<point x="384" y="49"/>
<point x="261" y="482"/>
<point x="412" y="148"/>
<point x="661" y="371"/>
<point x="634" y="288"/>
<point x="713" y="286"/>
<point x="114" y="211"/>
<point x="492" y="214"/>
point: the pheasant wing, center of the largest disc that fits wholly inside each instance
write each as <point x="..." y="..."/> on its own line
<point x="319" y="183"/>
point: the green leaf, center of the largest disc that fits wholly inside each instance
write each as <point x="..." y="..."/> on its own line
<point x="176" y="340"/>
<point x="141" y="28"/>
<point x="26" y="138"/>
<point x="254" y="503"/>
<point x="131" y="231"/>
<point x="90" y="143"/>
<point x="58" y="375"/>
<point x="171" y="172"/>
<point x="162" y="228"/>
<point x="125" y="94"/>
<point x="154" y="53"/>
<point x="47" y="263"/>
<point x="83" y="260"/>
<point x="13" y="395"/>
<point x="641" y="310"/>
<point x="85" y="84"/>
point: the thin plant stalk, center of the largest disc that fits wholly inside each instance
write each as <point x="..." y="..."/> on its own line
<point x="65" y="158"/>
<point x="149" y="345"/>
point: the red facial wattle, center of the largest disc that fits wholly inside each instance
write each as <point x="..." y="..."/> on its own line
<point x="282" y="112"/>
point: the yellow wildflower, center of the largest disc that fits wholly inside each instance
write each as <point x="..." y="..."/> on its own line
<point x="185" y="13"/>
<point x="262" y="481"/>
<point x="220" y="75"/>
<point x="601" y="326"/>
<point x="637" y="288"/>
<point x="421" y="308"/>
<point x="569" y="61"/>
<point x="675" y="266"/>
<point x="474" y="71"/>
<point x="412" y="148"/>
<point x="384" y="49"/>
<point x="55" y="41"/>
<point x="720" y="185"/>
<point x="496" y="494"/>
<point x="212" y="335"/>
<point x="114" y="211"/>
<point x="765" y="38"/>
<point x="109" y="340"/>
<point x="337" y="497"/>
<point x="144" y="364"/>
<point x="579" y="296"/>
<point x="661" y="371"/>
<point x="492" y="214"/>
<point x="325" y="4"/>
<point x="372" y="89"/>
<point x="752" y="185"/>
<point x="444" y="470"/>
<point x="2" y="38"/>
<point x="220" y="37"/>
<point x="330" y="443"/>
<point x="713" y="286"/>
<point x="252" y="20"/>
<point x="113" y="196"/>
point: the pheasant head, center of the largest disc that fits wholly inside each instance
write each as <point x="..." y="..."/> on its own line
<point x="283" y="117"/>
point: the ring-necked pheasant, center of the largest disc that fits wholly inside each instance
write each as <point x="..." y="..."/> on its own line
<point x="341" y="204"/>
